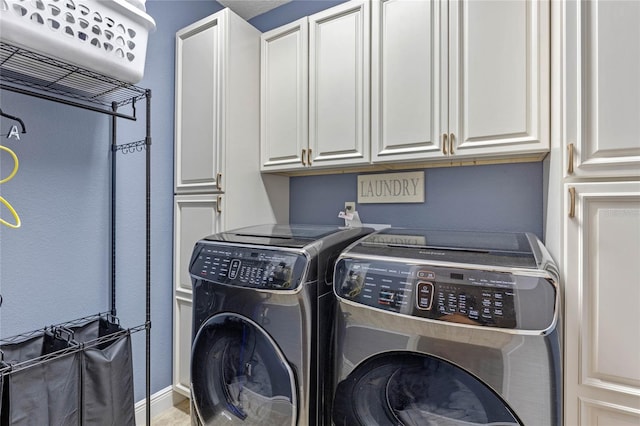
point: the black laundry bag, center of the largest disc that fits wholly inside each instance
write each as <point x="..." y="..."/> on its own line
<point x="107" y="373"/>
<point x="41" y="390"/>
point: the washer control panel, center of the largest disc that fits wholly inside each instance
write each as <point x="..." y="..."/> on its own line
<point x="467" y="296"/>
<point x="248" y="267"/>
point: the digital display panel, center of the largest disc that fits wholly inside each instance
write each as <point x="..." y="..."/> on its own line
<point x="445" y="294"/>
<point x="248" y="267"/>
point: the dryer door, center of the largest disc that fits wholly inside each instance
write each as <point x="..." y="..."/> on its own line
<point x="239" y="375"/>
<point x="411" y="389"/>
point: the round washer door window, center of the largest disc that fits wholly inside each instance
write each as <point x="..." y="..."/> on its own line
<point x="413" y="389"/>
<point x="240" y="376"/>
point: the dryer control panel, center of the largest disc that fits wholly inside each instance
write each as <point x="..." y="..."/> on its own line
<point x="248" y="266"/>
<point x="466" y="296"/>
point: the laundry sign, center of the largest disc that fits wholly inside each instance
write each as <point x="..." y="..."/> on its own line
<point x="391" y="188"/>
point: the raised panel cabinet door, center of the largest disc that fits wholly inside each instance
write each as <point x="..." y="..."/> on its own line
<point x="409" y="79"/>
<point x="195" y="217"/>
<point x="182" y="323"/>
<point x="198" y="68"/>
<point x="339" y="70"/>
<point x="284" y="131"/>
<point x="602" y="88"/>
<point x="602" y="297"/>
<point x="499" y="77"/>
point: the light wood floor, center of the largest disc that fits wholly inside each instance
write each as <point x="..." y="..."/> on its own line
<point x="175" y="416"/>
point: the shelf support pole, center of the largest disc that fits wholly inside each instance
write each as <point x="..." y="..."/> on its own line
<point x="148" y="307"/>
<point x="114" y="147"/>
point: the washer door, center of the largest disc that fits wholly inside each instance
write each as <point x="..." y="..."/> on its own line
<point x="239" y="375"/>
<point x="413" y="389"/>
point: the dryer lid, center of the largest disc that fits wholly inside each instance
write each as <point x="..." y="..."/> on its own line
<point x="470" y="247"/>
<point x="293" y="236"/>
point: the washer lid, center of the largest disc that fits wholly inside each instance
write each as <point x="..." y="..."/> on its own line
<point x="480" y="248"/>
<point x="294" y="236"/>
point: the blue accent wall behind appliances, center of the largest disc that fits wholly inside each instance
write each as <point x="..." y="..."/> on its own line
<point x="505" y="197"/>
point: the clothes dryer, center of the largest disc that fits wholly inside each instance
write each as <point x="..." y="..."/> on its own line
<point x="262" y="317"/>
<point x="447" y="328"/>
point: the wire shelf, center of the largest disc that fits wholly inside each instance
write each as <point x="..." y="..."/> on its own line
<point x="21" y="67"/>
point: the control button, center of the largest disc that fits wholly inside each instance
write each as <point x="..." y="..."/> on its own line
<point x="427" y="275"/>
<point x="424" y="295"/>
<point x="233" y="268"/>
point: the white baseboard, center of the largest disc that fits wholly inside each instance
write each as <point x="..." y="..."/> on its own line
<point x="160" y="401"/>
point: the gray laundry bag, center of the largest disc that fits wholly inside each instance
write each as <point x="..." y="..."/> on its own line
<point x="106" y="373"/>
<point x="41" y="389"/>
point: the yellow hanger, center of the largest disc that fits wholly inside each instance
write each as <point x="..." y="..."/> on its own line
<point x="2" y="200"/>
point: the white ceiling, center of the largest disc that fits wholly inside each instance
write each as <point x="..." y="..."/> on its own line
<point x="247" y="9"/>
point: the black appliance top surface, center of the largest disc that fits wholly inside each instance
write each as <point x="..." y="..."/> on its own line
<point x="468" y="247"/>
<point x="292" y="236"/>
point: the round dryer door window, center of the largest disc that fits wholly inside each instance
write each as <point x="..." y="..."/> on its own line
<point x="413" y="389"/>
<point x="239" y="375"/>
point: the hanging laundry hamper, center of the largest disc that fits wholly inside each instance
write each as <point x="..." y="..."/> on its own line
<point x="106" y="373"/>
<point x="105" y="36"/>
<point x="40" y="390"/>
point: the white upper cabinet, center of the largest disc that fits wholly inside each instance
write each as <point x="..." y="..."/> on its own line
<point x="315" y="90"/>
<point x="408" y="87"/>
<point x="339" y="70"/>
<point x="198" y="162"/>
<point x="460" y="79"/>
<point x="602" y="90"/>
<point x="284" y="96"/>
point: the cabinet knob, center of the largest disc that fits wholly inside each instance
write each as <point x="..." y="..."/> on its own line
<point x="445" y="142"/>
<point x="570" y="148"/>
<point x="304" y="153"/>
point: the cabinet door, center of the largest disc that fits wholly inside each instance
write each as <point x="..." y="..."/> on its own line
<point x="195" y="216"/>
<point x="498" y="77"/>
<point x="409" y="81"/>
<point x="284" y="131"/>
<point x="182" y="322"/>
<point x="197" y="125"/>
<point x="602" y="88"/>
<point x="339" y="70"/>
<point x="602" y="298"/>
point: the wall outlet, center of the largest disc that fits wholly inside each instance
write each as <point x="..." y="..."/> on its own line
<point x="349" y="206"/>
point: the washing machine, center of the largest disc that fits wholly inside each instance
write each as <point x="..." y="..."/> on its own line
<point x="447" y="328"/>
<point x="262" y="317"/>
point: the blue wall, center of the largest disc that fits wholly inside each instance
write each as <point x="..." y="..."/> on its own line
<point x="506" y="197"/>
<point x="289" y="12"/>
<point x="55" y="268"/>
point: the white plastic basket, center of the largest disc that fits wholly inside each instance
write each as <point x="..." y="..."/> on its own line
<point x="105" y="36"/>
